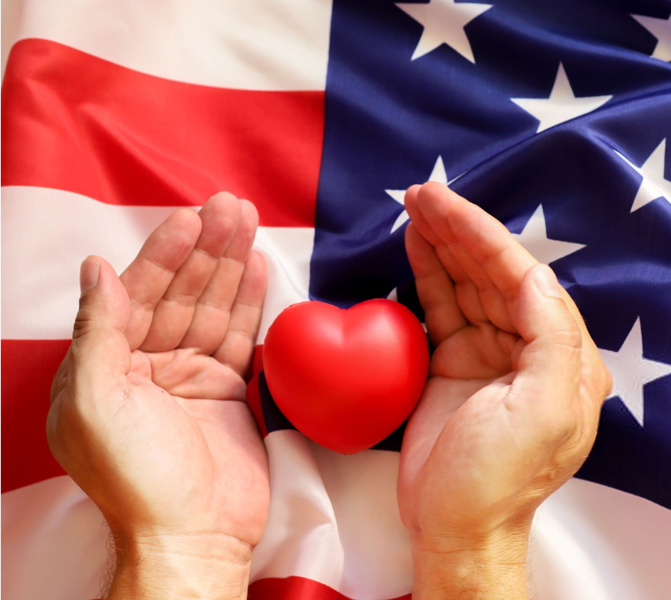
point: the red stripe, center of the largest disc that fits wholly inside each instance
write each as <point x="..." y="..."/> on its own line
<point x="296" y="587"/>
<point x="28" y="366"/>
<point x="75" y="122"/>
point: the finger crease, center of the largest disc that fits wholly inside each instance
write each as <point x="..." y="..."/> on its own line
<point x="146" y="305"/>
<point x="187" y="300"/>
<point x="206" y="253"/>
<point x="159" y="265"/>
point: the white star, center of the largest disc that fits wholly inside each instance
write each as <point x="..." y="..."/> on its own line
<point x="561" y="106"/>
<point x="653" y="185"/>
<point x="535" y="239"/>
<point x="444" y="22"/>
<point x="438" y="174"/>
<point x="631" y="371"/>
<point x="661" y="29"/>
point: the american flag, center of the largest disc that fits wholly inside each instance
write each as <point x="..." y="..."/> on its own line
<point x="553" y="116"/>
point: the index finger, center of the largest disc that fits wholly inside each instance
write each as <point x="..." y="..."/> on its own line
<point x="485" y="239"/>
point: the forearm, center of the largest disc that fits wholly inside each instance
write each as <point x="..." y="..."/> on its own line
<point x="486" y="571"/>
<point x="180" y="567"/>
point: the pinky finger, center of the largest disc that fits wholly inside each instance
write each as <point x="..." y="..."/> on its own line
<point x="237" y="349"/>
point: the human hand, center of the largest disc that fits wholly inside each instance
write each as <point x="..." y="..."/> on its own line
<point x="148" y="410"/>
<point x="510" y="410"/>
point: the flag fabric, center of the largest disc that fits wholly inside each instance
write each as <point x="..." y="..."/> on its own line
<point x="553" y="116"/>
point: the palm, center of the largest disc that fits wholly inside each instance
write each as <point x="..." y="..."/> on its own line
<point x="207" y="435"/>
<point x="459" y="373"/>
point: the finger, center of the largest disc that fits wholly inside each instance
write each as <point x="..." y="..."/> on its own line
<point x="100" y="353"/>
<point x="173" y="314"/>
<point x="550" y="365"/>
<point x="411" y="206"/>
<point x="467" y="294"/>
<point x="505" y="261"/>
<point x="595" y="374"/>
<point x="490" y="298"/>
<point x="488" y="242"/>
<point x="466" y="291"/>
<point x="60" y="379"/>
<point x="213" y="309"/>
<point x="434" y="287"/>
<point x="238" y="346"/>
<point x="485" y="239"/>
<point x="150" y="274"/>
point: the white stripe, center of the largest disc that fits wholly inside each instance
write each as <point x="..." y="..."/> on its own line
<point x="46" y="234"/>
<point x="592" y="541"/>
<point x="334" y="519"/>
<point x="245" y="44"/>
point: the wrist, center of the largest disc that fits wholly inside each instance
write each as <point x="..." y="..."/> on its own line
<point x="199" y="566"/>
<point x="463" y="568"/>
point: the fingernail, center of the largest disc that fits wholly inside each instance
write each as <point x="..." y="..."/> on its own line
<point x="546" y="282"/>
<point x="88" y="274"/>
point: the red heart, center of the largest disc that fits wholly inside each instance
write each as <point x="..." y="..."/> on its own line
<point x="346" y="378"/>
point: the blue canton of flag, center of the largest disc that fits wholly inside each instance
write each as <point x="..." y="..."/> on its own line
<point x="554" y="117"/>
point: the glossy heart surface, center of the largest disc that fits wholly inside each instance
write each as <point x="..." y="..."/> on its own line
<point x="346" y="378"/>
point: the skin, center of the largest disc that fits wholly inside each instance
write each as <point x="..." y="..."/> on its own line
<point x="509" y="413"/>
<point x="148" y="410"/>
<point x="510" y="410"/>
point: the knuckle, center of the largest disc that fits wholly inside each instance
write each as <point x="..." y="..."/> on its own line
<point x="84" y="322"/>
<point x="57" y="439"/>
<point x="565" y="428"/>
<point x="606" y="382"/>
<point x="598" y="378"/>
<point x="60" y="378"/>
<point x="52" y="430"/>
<point x="559" y="426"/>
<point x="567" y="336"/>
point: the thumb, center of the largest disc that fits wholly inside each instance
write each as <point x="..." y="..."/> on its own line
<point x="99" y="343"/>
<point x="549" y="366"/>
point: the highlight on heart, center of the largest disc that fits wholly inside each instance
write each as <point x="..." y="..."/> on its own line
<point x="346" y="378"/>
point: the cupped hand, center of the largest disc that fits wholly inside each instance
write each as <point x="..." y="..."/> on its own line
<point x="148" y="410"/>
<point x="516" y="384"/>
